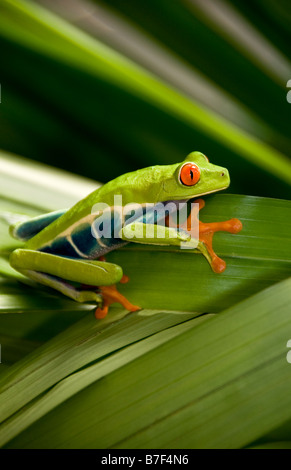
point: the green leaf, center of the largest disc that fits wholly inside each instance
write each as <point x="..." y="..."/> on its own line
<point x="221" y="383"/>
<point x="79" y="380"/>
<point x="85" y="342"/>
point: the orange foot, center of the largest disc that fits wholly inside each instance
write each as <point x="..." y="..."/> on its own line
<point x="110" y="295"/>
<point x="207" y="230"/>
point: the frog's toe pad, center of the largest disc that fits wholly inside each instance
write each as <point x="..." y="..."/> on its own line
<point x="101" y="312"/>
<point x="218" y="265"/>
<point x="235" y="225"/>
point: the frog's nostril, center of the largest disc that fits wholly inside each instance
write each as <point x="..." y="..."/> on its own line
<point x="222" y="174"/>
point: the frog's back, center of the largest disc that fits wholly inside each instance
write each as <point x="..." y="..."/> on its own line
<point x="71" y="221"/>
<point x="68" y="218"/>
<point x="128" y="186"/>
<point x="92" y="236"/>
<point x="71" y="233"/>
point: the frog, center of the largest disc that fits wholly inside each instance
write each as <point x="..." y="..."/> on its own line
<point x="65" y="249"/>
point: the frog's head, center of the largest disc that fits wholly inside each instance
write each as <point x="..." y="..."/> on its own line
<point x="194" y="177"/>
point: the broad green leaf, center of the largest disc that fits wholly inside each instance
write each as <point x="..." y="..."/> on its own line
<point x="15" y="349"/>
<point x="220" y="384"/>
<point x="79" y="380"/>
<point x="85" y="342"/>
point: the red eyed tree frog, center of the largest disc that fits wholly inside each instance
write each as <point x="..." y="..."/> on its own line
<point x="65" y="249"/>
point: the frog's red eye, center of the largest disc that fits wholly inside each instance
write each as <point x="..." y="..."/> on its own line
<point x="189" y="174"/>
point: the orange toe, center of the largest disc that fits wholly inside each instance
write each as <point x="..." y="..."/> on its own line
<point x="101" y="312"/>
<point x="124" y="279"/>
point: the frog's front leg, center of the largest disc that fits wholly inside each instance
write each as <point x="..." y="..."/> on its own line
<point x="97" y="279"/>
<point x="154" y="234"/>
<point x="206" y="232"/>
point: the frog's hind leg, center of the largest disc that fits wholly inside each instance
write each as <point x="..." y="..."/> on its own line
<point x="58" y="272"/>
<point x="29" y="228"/>
<point x="64" y="287"/>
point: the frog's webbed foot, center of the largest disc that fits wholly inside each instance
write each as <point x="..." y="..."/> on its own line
<point x="111" y="295"/>
<point x="206" y="232"/>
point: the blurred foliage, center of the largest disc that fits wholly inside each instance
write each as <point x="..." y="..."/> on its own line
<point x="57" y="111"/>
